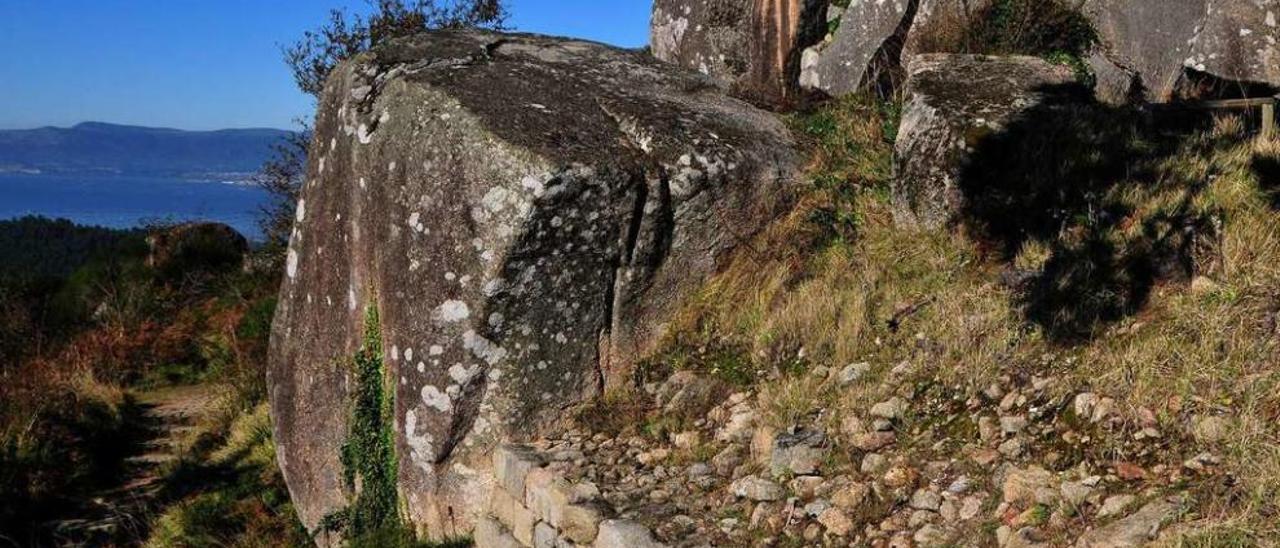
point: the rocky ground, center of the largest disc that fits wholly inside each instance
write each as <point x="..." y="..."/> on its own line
<point x="1024" y="462"/>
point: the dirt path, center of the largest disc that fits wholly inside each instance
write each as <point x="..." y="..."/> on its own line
<point x="119" y="514"/>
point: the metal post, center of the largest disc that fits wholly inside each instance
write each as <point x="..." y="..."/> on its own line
<point x="1268" y="120"/>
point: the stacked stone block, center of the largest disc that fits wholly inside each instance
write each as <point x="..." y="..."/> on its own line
<point x="532" y="505"/>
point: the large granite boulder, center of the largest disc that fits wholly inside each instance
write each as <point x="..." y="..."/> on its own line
<point x="1146" y="45"/>
<point x="753" y="46"/>
<point x="522" y="213"/>
<point x="953" y="103"/>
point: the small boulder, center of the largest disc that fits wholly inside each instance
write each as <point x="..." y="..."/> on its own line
<point x="853" y="373"/>
<point x="891" y="409"/>
<point x="1023" y="486"/>
<point x="1135" y="530"/>
<point x="620" y="533"/>
<point x="836" y="522"/>
<point x="1211" y="429"/>
<point x="687" y="394"/>
<point x="852" y="496"/>
<point x="1114" y="505"/>
<point x="799" y="452"/>
<point x="953" y="103"/>
<point x="756" y="489"/>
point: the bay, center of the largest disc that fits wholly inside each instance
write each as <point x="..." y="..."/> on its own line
<point x="126" y="202"/>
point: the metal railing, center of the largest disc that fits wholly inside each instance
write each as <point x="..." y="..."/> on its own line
<point x="1267" y="104"/>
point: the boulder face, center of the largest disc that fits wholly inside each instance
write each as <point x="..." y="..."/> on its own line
<point x="522" y="213"/>
<point x="1145" y="45"/>
<point x="753" y="46"/>
<point x="1240" y="41"/>
<point x="952" y="103"/>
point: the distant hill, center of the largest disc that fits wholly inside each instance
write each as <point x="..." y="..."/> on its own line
<point x="109" y="149"/>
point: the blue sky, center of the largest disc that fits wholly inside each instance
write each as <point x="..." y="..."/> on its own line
<point x="204" y="64"/>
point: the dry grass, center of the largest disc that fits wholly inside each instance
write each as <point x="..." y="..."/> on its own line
<point x="934" y="303"/>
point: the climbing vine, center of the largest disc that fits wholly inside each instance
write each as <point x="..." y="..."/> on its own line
<point x="368" y="456"/>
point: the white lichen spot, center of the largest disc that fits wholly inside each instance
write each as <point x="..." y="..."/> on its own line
<point x="301" y="213"/>
<point x="435" y="350"/>
<point x="493" y="287"/>
<point x="395" y="353"/>
<point x="461" y="374"/>
<point x="291" y="263"/>
<point x="413" y="221"/>
<point x="351" y="298"/>
<point x="363" y="135"/>
<point x="483" y="348"/>
<point x="391" y="166"/>
<point x="408" y="354"/>
<point x="496" y="199"/>
<point x="422" y="367"/>
<point x="534" y="185"/>
<point x="451" y="311"/>
<point x="434" y="398"/>
<point x="421" y="446"/>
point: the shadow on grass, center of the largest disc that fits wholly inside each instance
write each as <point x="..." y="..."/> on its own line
<point x="1077" y="189"/>
<point x="1267" y="170"/>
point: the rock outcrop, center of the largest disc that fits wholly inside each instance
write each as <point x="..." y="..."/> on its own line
<point x="753" y="46"/>
<point x="196" y="247"/>
<point x="522" y="213"/>
<point x="838" y="65"/>
<point x="870" y="37"/>
<point x="953" y="102"/>
<point x="1146" y="45"/>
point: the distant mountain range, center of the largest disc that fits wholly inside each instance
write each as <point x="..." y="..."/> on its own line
<point x="95" y="148"/>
